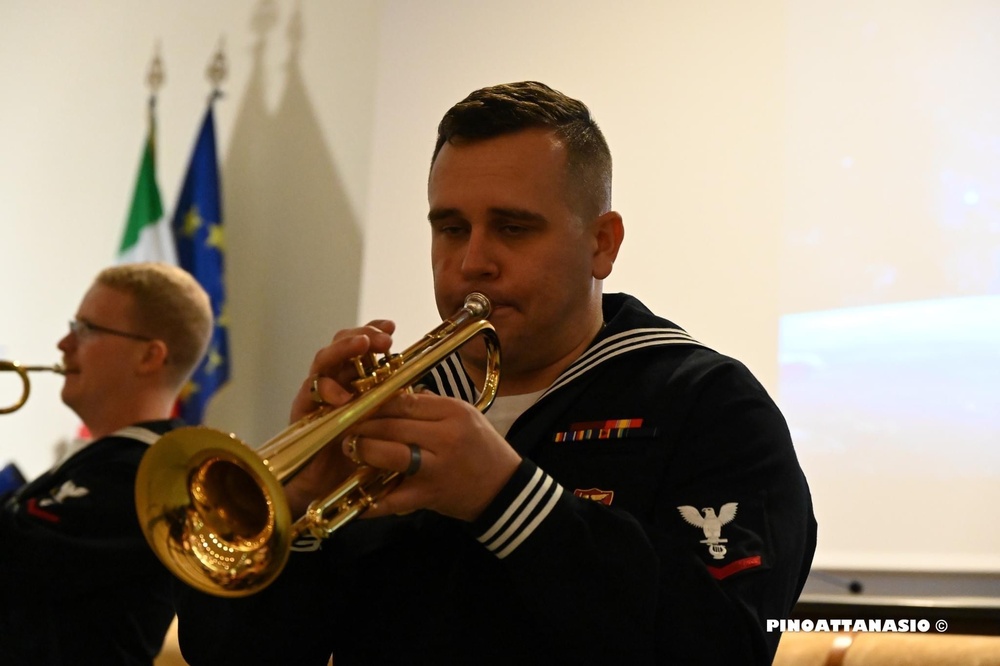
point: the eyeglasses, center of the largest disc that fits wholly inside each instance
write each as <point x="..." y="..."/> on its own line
<point x="83" y="328"/>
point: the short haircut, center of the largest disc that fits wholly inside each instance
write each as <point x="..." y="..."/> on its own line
<point x="168" y="304"/>
<point x="512" y="107"/>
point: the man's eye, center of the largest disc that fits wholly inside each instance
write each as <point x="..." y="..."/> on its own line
<point x="447" y="228"/>
<point x="513" y="230"/>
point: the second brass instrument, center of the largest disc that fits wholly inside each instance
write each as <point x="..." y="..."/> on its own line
<point x="22" y="371"/>
<point x="214" y="510"/>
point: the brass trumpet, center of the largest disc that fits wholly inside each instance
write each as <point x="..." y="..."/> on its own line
<point x="214" y="510"/>
<point x="22" y="371"/>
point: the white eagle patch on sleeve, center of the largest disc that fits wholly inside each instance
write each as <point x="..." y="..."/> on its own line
<point x="711" y="524"/>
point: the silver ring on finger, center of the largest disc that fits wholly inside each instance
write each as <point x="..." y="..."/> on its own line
<point x="414" y="465"/>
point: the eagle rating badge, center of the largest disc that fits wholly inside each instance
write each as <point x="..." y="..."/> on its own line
<point x="711" y="524"/>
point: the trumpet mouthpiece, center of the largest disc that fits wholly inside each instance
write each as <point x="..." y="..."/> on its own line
<point x="478" y="304"/>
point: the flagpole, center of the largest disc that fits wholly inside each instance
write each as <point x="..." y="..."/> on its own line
<point x="155" y="77"/>
<point x="217" y="70"/>
<point x="198" y="227"/>
<point x="147" y="237"/>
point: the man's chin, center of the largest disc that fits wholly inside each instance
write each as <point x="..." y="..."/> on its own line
<point x="68" y="396"/>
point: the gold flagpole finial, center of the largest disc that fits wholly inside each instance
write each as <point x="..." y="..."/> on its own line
<point x="155" y="76"/>
<point x="218" y="69"/>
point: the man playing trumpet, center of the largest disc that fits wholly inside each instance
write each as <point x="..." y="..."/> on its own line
<point x="555" y="528"/>
<point x="77" y="580"/>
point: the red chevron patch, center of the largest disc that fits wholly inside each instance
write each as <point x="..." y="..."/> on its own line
<point x="719" y="573"/>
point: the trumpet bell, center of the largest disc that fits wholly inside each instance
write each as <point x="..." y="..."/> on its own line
<point x="217" y="517"/>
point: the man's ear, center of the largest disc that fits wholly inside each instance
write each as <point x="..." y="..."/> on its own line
<point x="154" y="358"/>
<point x="609" y="232"/>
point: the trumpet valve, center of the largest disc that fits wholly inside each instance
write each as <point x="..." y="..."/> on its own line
<point x="372" y="370"/>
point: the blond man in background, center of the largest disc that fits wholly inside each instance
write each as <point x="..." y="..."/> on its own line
<point x="78" y="584"/>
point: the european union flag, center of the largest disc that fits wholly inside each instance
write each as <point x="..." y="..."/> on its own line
<point x="197" y="227"/>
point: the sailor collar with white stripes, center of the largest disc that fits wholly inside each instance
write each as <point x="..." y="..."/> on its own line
<point x="452" y="379"/>
<point x="621" y="343"/>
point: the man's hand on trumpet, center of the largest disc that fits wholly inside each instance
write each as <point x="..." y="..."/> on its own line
<point x="463" y="461"/>
<point x="332" y="369"/>
<point x="455" y="461"/>
<point x="329" y="383"/>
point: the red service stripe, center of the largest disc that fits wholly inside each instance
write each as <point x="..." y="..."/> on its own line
<point x="38" y="512"/>
<point x="734" y="567"/>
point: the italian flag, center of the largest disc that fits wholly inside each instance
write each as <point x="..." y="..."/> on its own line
<point x="147" y="235"/>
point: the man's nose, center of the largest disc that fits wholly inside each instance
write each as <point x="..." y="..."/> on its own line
<point x="480" y="256"/>
<point x="67" y="342"/>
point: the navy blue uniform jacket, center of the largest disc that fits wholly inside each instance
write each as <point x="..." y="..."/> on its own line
<point x="78" y="583"/>
<point x="659" y="516"/>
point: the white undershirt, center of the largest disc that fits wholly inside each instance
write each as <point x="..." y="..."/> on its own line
<point x="506" y="409"/>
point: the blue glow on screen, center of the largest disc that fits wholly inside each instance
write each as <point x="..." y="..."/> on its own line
<point x="896" y="386"/>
